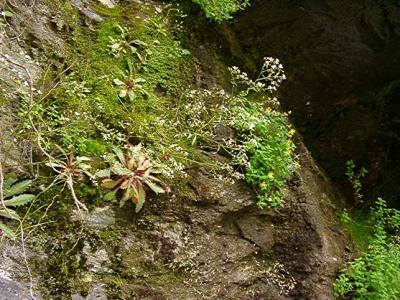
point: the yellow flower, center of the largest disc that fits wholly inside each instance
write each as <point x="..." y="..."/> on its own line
<point x="291" y="132"/>
<point x="270" y="175"/>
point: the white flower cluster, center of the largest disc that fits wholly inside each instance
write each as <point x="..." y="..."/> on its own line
<point x="203" y="110"/>
<point x="169" y="160"/>
<point x="198" y="112"/>
<point x="195" y="111"/>
<point x="277" y="274"/>
<point x="269" y="79"/>
<point x="272" y="73"/>
<point x="110" y="134"/>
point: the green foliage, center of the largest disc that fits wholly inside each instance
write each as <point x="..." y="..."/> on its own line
<point x="13" y="196"/>
<point x="129" y="83"/>
<point x="123" y="45"/>
<point x="271" y="162"/>
<point x="121" y="81"/>
<point x="220" y="10"/>
<point x="376" y="274"/>
<point x="164" y="62"/>
<point x="91" y="146"/>
<point x="4" y="15"/>
<point x="265" y="133"/>
<point x="354" y="178"/>
<point x="125" y="73"/>
<point x="129" y="173"/>
<point x="130" y="87"/>
<point x="262" y="148"/>
<point x="345" y="218"/>
<point x="69" y="171"/>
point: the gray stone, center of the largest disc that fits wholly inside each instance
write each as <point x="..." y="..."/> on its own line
<point x="107" y="3"/>
<point x="97" y="262"/>
<point x="99" y="218"/>
<point x="88" y="12"/>
<point x="223" y="132"/>
<point x="96" y="293"/>
<point x="13" y="290"/>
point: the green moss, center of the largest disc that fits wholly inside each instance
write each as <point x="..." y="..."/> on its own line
<point x="64" y="264"/>
<point x="221" y="10"/>
<point x="2" y="100"/>
<point x="91" y="147"/>
<point x="167" y="65"/>
<point x="86" y="113"/>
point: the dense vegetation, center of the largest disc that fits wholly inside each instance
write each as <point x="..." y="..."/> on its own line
<point x="130" y="88"/>
<point x="376" y="273"/>
<point x="220" y="10"/>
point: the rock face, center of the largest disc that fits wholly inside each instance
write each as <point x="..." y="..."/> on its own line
<point x="206" y="239"/>
<point x="343" y="64"/>
<point x="208" y="242"/>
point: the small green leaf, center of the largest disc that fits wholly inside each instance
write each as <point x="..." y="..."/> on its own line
<point x="139" y="43"/>
<point x="114" y="46"/>
<point x="122" y="93"/>
<point x="118" y="82"/>
<point x="83" y="167"/>
<point x="8" y="183"/>
<point x="8" y="231"/>
<point x="119" y="154"/>
<point x="129" y="193"/>
<point x="140" y="199"/>
<point x="110" y="195"/>
<point x="7" y="13"/>
<point x="120" y="170"/>
<point x="17" y="188"/>
<point x="9" y="213"/>
<point x="131" y="95"/>
<point x="109" y="184"/>
<point x="139" y="80"/>
<point x="103" y="173"/>
<point x="156" y="188"/>
<point x="82" y="158"/>
<point x="194" y="141"/>
<point x="19" y="200"/>
<point x="151" y="178"/>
